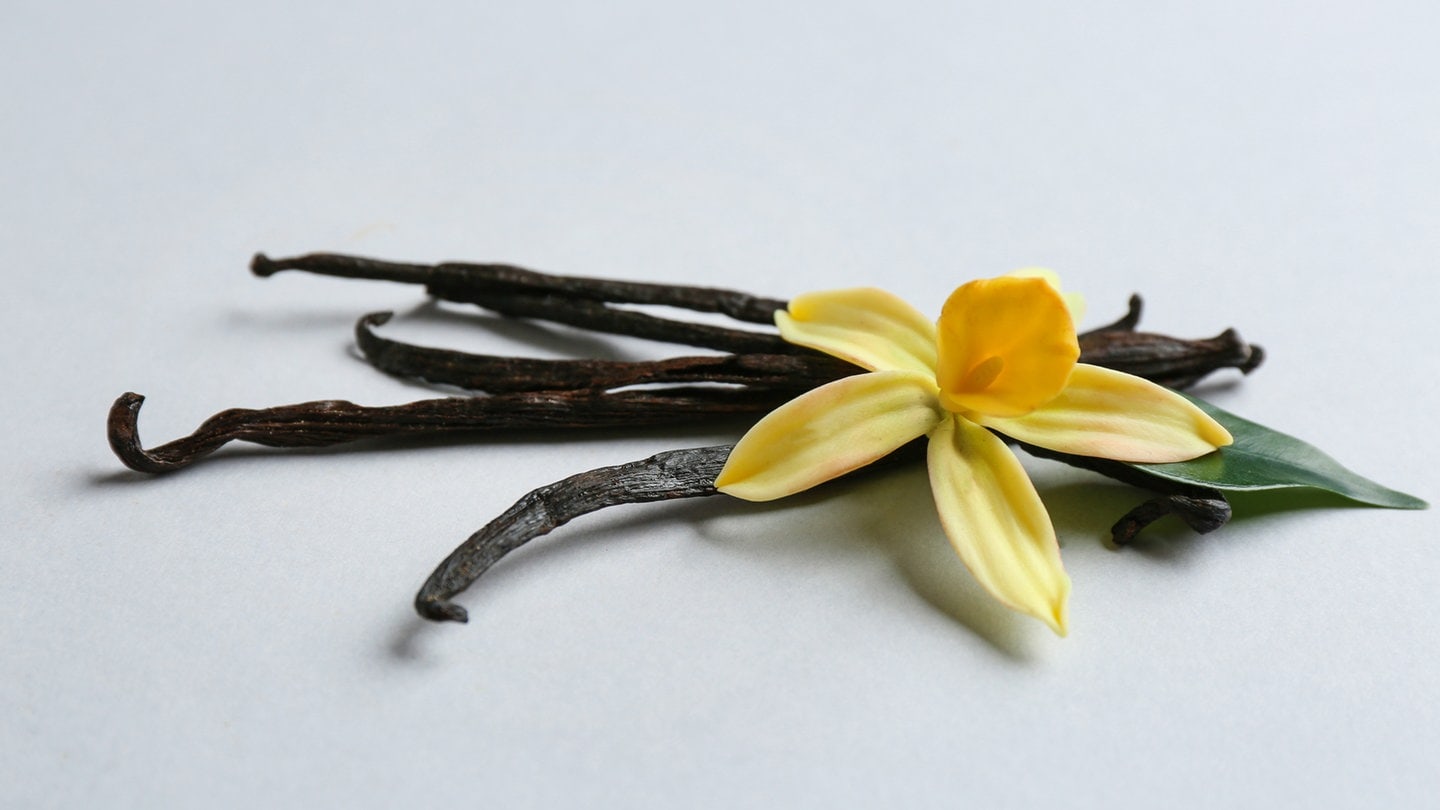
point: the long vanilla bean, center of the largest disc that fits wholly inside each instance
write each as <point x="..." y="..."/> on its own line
<point x="495" y="374"/>
<point x="571" y="300"/>
<point x="472" y="279"/>
<point x="584" y="303"/>
<point x="330" y="422"/>
<point x="576" y="400"/>
<point x="1173" y="362"/>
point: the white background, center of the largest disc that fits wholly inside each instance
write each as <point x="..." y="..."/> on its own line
<point x="240" y="634"/>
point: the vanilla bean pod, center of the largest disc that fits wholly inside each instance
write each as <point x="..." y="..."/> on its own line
<point x="1177" y="363"/>
<point x="665" y="476"/>
<point x="669" y="475"/>
<point x="1171" y="362"/>
<point x="473" y="279"/>
<point x="577" y="401"/>
<point x="330" y="422"/>
<point x="496" y="374"/>
<point x="573" y="402"/>
<point x="676" y="474"/>
<point x="582" y="302"/>
<point x="1168" y="361"/>
<point x="597" y="317"/>
<point x="579" y="302"/>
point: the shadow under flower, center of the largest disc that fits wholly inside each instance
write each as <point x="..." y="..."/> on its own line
<point x="1084" y="510"/>
<point x="890" y="511"/>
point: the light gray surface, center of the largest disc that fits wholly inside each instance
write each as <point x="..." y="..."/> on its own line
<point x="240" y="634"/>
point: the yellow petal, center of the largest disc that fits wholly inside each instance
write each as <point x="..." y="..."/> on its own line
<point x="829" y="431"/>
<point x="871" y="328"/>
<point x="1006" y="346"/>
<point x="996" y="521"/>
<point x="1075" y="302"/>
<point x="1109" y="414"/>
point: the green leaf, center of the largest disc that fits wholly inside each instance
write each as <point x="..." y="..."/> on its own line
<point x="1262" y="458"/>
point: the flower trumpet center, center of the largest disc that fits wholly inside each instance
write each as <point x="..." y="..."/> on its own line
<point x="983" y="374"/>
<point x="1006" y="346"/>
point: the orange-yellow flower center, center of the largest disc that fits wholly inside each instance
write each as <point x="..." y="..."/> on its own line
<point x="1006" y="346"/>
<point x="980" y="377"/>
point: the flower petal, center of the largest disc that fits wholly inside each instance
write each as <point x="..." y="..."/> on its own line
<point x="1110" y="414"/>
<point x="829" y="431"/>
<point x="869" y="327"/>
<point x="1075" y="302"/>
<point x="996" y="521"/>
<point x="1006" y="345"/>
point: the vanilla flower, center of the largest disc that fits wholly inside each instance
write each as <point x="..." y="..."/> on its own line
<point x="1001" y="358"/>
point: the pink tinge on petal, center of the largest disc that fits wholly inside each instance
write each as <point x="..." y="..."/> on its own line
<point x="869" y="327"/>
<point x="829" y="431"/>
<point x="1109" y="414"/>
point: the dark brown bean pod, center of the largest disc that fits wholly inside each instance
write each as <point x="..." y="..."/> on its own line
<point x="473" y="281"/>
<point x="598" y="317"/>
<point x="495" y="374"/>
<point x="330" y="422"/>
<point x="576" y="402"/>
<point x="571" y="300"/>
<point x="664" y="476"/>
<point x="1169" y="361"/>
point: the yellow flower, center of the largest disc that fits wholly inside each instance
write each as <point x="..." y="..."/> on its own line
<point x="1001" y="358"/>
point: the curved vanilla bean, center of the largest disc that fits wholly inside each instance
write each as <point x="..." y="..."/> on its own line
<point x="495" y="374"/>
<point x="664" y="476"/>
<point x="472" y="281"/>
<point x="330" y="422"/>
<point x="1203" y="514"/>
<point x="691" y="474"/>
